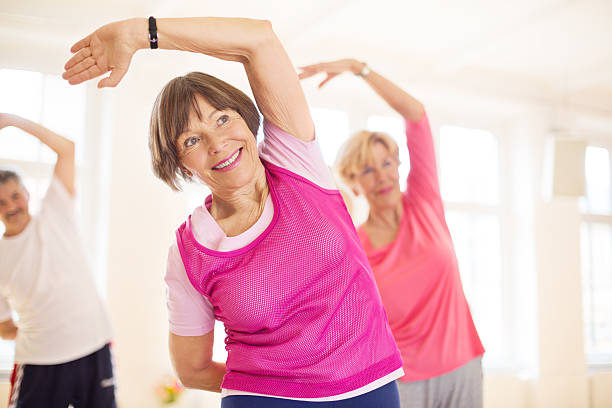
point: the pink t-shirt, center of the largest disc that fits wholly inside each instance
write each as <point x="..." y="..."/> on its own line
<point x="418" y="276"/>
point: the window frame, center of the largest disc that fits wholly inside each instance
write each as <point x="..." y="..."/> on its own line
<point x="596" y="362"/>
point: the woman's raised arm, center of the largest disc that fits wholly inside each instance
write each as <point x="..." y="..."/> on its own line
<point x="253" y="43"/>
<point x="401" y="101"/>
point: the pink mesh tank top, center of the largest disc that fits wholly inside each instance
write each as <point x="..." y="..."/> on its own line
<point x="301" y="310"/>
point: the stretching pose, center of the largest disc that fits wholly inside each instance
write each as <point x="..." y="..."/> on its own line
<point x="411" y="252"/>
<point x="272" y="253"/>
<point x="62" y="354"/>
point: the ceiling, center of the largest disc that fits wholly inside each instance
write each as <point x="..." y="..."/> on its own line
<point x="549" y="50"/>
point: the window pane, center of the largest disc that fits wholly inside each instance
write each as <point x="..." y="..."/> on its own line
<point x="18" y="145"/>
<point x="21" y="96"/>
<point x="596" y="239"/>
<point x="478" y="245"/>
<point x="469" y="165"/>
<point x="598" y="199"/>
<point x="7" y="353"/>
<point x="21" y="93"/>
<point x="63" y="111"/>
<point x="394" y="127"/>
<point x="332" y="130"/>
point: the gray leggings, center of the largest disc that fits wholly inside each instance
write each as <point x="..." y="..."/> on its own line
<point x="460" y="388"/>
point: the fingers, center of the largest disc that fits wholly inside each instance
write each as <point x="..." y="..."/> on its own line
<point x="86" y="75"/>
<point x="82" y="66"/>
<point x="306" y="74"/>
<point x="329" y="77"/>
<point x="310" y="70"/>
<point x="113" y="79"/>
<point x="81" y="44"/>
<point x="78" y="57"/>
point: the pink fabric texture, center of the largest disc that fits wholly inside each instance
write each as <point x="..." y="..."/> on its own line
<point x="418" y="275"/>
<point x="302" y="313"/>
<point x="191" y="314"/>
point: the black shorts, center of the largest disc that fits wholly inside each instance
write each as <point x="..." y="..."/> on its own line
<point x="87" y="382"/>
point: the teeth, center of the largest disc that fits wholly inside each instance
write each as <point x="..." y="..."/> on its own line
<point x="228" y="161"/>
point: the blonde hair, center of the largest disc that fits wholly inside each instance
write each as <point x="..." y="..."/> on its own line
<point x="356" y="153"/>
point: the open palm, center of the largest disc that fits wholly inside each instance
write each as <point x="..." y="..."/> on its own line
<point x="106" y="49"/>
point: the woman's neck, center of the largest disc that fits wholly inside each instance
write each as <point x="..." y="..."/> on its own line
<point x="236" y="211"/>
<point x="387" y="218"/>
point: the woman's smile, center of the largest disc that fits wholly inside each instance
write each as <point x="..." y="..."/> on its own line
<point x="230" y="162"/>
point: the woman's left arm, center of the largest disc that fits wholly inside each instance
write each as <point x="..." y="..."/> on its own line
<point x="253" y="43"/>
<point x="401" y="101"/>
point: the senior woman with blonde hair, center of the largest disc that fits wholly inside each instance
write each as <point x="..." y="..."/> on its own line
<point x="272" y="252"/>
<point x="411" y="252"/>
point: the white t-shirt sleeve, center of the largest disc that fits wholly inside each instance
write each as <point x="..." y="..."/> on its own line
<point x="189" y="312"/>
<point x="5" y="309"/>
<point x="295" y="155"/>
<point x="58" y="202"/>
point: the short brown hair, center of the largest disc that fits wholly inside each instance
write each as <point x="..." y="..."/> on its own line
<point x="170" y="118"/>
<point x="7" y="175"/>
<point x="356" y="153"/>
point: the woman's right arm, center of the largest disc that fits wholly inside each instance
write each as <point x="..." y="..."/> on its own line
<point x="192" y="359"/>
<point x="272" y="77"/>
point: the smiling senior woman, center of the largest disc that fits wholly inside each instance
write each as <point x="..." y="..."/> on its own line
<point x="272" y="253"/>
<point x="411" y="252"/>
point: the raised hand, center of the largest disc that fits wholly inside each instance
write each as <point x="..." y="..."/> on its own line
<point x="332" y="69"/>
<point x="109" y="48"/>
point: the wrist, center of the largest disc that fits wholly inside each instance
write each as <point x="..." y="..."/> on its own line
<point x="364" y="70"/>
<point x="357" y="66"/>
<point x="136" y="30"/>
<point x="14" y="120"/>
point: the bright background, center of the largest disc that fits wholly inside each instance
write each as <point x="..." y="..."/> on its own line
<point x="500" y="80"/>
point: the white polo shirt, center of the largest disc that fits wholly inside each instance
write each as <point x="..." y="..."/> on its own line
<point x="46" y="278"/>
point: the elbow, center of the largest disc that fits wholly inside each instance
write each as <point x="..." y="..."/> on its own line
<point x="186" y="378"/>
<point x="197" y="379"/>
<point x="262" y="37"/>
<point x="68" y="149"/>
<point x="266" y="32"/>
<point x="192" y="374"/>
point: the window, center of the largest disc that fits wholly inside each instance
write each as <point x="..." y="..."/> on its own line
<point x="331" y="127"/>
<point x="596" y="251"/>
<point x="470" y="187"/>
<point x="469" y="163"/>
<point x="46" y="99"/>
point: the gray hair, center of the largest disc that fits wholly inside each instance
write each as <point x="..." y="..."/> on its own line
<point x="7" y="175"/>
